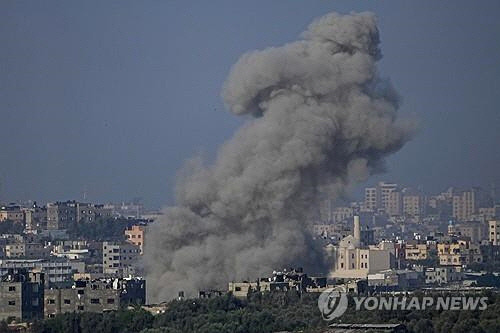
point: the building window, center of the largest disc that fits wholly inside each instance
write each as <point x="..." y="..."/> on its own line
<point x="95" y="301"/>
<point x="80" y="308"/>
<point x="12" y="302"/>
<point x="51" y="315"/>
<point x="111" y="301"/>
<point x="81" y="292"/>
<point x="12" y="288"/>
<point x="51" y="301"/>
<point x="67" y="301"/>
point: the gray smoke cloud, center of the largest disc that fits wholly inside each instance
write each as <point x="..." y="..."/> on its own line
<point x="323" y="120"/>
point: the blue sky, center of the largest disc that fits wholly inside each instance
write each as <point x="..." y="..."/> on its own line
<point x="111" y="97"/>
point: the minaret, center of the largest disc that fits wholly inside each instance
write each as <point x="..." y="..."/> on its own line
<point x="357" y="228"/>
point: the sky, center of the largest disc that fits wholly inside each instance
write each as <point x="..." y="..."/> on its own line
<point x="110" y="98"/>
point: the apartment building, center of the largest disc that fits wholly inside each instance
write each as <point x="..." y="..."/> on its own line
<point x="119" y="258"/>
<point x="459" y="253"/>
<point x="55" y="271"/>
<point x="395" y="203"/>
<point x="60" y="215"/>
<point x="94" y="296"/>
<point x="21" y="295"/>
<point x="467" y="203"/>
<point x="443" y="275"/>
<point x="35" y="218"/>
<point x="416" y="251"/>
<point x="413" y="204"/>
<point x="136" y="235"/>
<point x="494" y="232"/>
<point x="11" y="213"/>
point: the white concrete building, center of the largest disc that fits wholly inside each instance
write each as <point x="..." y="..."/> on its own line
<point x="354" y="260"/>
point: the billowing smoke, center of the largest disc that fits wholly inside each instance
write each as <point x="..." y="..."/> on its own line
<point x="323" y="120"/>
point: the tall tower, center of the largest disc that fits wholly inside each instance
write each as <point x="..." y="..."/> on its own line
<point x="357" y="228"/>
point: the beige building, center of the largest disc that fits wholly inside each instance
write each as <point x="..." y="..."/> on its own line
<point x="12" y="213"/>
<point x="416" y="252"/>
<point x="494" y="232"/>
<point x="467" y="203"/>
<point x="354" y="260"/>
<point x="459" y="253"/>
<point x="395" y="203"/>
<point x="136" y="235"/>
<point x="413" y="205"/>
<point x="370" y="198"/>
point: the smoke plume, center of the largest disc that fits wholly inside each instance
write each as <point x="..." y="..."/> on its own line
<point x="322" y="121"/>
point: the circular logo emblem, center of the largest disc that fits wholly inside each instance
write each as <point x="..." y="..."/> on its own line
<point x="332" y="303"/>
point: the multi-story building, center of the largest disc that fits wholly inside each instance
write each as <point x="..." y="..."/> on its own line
<point x="443" y="275"/>
<point x="383" y="191"/>
<point x="119" y="258"/>
<point x="378" y="197"/>
<point x="21" y="295"/>
<point x="60" y="215"/>
<point x="413" y="204"/>
<point x="494" y="232"/>
<point x="371" y="198"/>
<point x="467" y="203"/>
<point x="136" y="235"/>
<point x="95" y="296"/>
<point x="356" y="260"/>
<point x="85" y="212"/>
<point x="395" y="203"/>
<point x="11" y="213"/>
<point x="103" y="211"/>
<point x="35" y="218"/>
<point x="459" y="253"/>
<point x="55" y="271"/>
<point x="416" y="251"/>
<point x="23" y="247"/>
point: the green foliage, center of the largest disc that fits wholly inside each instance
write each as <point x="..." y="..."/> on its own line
<point x="268" y="312"/>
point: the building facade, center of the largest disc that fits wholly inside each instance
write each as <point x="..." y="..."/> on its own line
<point x="119" y="258"/>
<point x="136" y="235"/>
<point x="94" y="296"/>
<point x="21" y="295"/>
